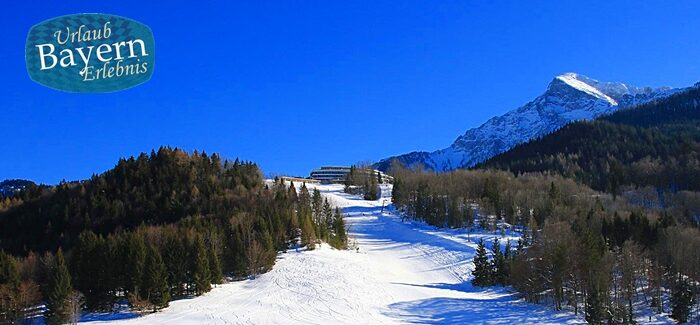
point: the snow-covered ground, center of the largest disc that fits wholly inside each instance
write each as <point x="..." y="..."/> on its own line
<point x="403" y="273"/>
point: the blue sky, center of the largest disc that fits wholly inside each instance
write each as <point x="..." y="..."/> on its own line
<point x="297" y="84"/>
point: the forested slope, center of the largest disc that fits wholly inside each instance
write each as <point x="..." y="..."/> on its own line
<point x="153" y="228"/>
<point x="655" y="144"/>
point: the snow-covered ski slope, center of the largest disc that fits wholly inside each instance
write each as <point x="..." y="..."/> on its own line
<point x="403" y="273"/>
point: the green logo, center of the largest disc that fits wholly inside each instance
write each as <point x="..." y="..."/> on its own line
<point x="90" y="53"/>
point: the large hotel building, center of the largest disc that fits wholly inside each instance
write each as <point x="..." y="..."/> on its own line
<point x="337" y="174"/>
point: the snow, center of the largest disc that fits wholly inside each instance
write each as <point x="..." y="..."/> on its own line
<point x="403" y="273"/>
<point x="573" y="80"/>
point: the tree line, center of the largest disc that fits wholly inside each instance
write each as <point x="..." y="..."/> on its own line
<point x="581" y="250"/>
<point x="155" y="228"/>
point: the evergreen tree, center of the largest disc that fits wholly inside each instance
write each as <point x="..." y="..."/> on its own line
<point x="9" y="274"/>
<point x="595" y="306"/>
<point x="370" y="187"/>
<point x="339" y="239"/>
<point x="682" y="301"/>
<point x="215" y="272"/>
<point x="174" y="257"/>
<point x="11" y="309"/>
<point x="553" y="193"/>
<point x="292" y="192"/>
<point x="304" y="196"/>
<point x="317" y="211"/>
<point x="498" y="264"/>
<point x="234" y="254"/>
<point x="482" y="267"/>
<point x="200" y="272"/>
<point x="58" y="291"/>
<point x="154" y="287"/>
<point x="326" y="221"/>
<point x="308" y="230"/>
<point x="91" y="277"/>
<point x="270" y="253"/>
<point x="308" y="234"/>
<point x="135" y="259"/>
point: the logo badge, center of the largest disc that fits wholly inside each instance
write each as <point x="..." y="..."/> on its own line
<point x="90" y="53"/>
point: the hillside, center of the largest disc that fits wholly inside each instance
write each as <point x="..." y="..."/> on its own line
<point x="654" y="144"/>
<point x="161" y="188"/>
<point x="403" y="272"/>
<point x="154" y="228"/>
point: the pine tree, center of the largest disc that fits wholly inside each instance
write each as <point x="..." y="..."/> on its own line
<point x="308" y="231"/>
<point x="175" y="256"/>
<point x="270" y="253"/>
<point x="9" y="274"/>
<point x="370" y="187"/>
<point x="135" y="259"/>
<point x="11" y="309"/>
<point x="498" y="264"/>
<point x="308" y="234"/>
<point x="317" y="211"/>
<point x="292" y="193"/>
<point x="529" y="235"/>
<point x="682" y="300"/>
<point x="90" y="276"/>
<point x="154" y="286"/>
<point x="482" y="267"/>
<point x="339" y="239"/>
<point x="200" y="272"/>
<point x="236" y="260"/>
<point x="595" y="306"/>
<point x="215" y="272"/>
<point x="58" y="291"/>
<point x="553" y="193"/>
<point x="326" y="223"/>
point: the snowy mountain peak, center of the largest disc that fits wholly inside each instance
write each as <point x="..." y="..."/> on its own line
<point x="615" y="93"/>
<point x="586" y="85"/>
<point x="569" y="97"/>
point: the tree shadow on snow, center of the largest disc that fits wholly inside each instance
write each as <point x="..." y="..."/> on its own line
<point x="101" y="317"/>
<point x="488" y="306"/>
<point x="354" y="210"/>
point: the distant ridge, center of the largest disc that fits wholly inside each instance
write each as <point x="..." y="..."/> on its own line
<point x="569" y="97"/>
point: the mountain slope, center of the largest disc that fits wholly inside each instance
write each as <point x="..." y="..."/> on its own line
<point x="403" y="273"/>
<point x="569" y="97"/>
<point x="655" y="144"/>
